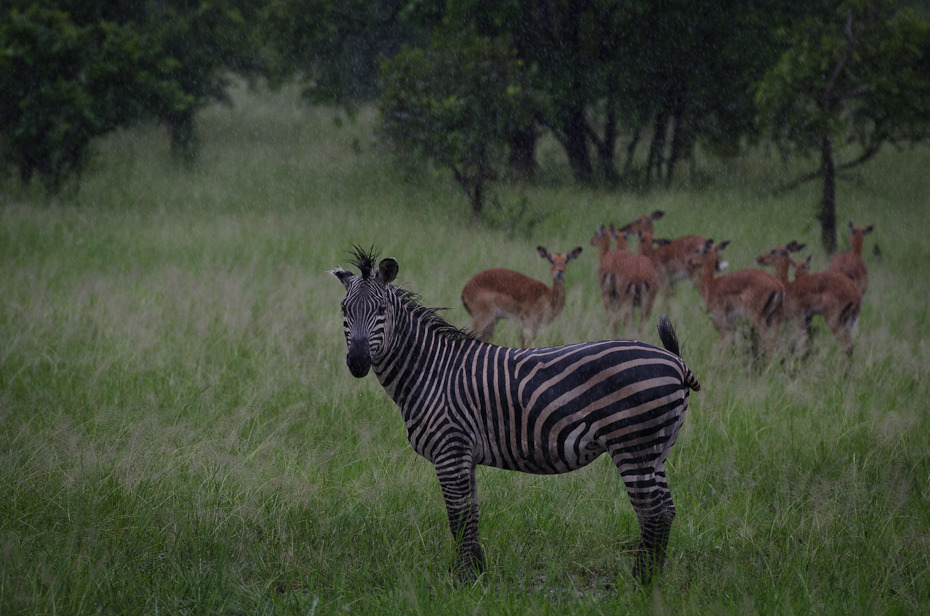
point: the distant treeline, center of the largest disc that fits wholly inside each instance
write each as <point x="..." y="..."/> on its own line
<point x="628" y="89"/>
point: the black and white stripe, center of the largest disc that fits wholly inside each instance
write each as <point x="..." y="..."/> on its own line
<point x="550" y="410"/>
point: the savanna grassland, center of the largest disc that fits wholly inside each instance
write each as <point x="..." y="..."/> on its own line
<point x="179" y="433"/>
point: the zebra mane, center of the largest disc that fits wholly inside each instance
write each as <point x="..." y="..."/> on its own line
<point x="430" y="315"/>
<point x="364" y="260"/>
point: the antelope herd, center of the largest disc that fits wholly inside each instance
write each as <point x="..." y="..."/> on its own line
<point x="777" y="309"/>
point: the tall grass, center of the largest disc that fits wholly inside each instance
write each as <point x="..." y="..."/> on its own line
<point x="179" y="434"/>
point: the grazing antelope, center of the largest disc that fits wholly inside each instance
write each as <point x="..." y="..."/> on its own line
<point x="850" y="263"/>
<point x="467" y="403"/>
<point x="749" y="295"/>
<point x="670" y="257"/>
<point x="497" y="293"/>
<point x="626" y="281"/>
<point x="828" y="293"/>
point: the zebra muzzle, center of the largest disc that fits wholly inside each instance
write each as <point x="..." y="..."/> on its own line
<point x="359" y="358"/>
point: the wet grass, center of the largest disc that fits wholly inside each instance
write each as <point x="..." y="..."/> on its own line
<point x="178" y="432"/>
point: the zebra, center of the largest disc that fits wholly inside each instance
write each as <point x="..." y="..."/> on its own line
<point x="466" y="402"/>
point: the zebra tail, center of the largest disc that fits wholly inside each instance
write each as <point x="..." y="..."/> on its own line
<point x="670" y="342"/>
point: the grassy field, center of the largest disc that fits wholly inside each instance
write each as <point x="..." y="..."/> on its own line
<point x="179" y="433"/>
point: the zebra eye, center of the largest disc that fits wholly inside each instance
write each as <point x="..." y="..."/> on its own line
<point x="382" y="308"/>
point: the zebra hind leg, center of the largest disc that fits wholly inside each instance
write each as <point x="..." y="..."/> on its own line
<point x="650" y="555"/>
<point x="655" y="512"/>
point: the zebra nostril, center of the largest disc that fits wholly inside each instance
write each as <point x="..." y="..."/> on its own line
<point x="358" y="366"/>
<point x="358" y="358"/>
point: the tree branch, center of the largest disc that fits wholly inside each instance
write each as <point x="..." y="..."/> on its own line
<point x="865" y="156"/>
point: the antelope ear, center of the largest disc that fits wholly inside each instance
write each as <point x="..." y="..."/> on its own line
<point x="868" y="229"/>
<point x="573" y="254"/>
<point x="387" y="270"/>
<point x="657" y="214"/>
<point x="723" y="244"/>
<point x="344" y="276"/>
<point x="544" y="253"/>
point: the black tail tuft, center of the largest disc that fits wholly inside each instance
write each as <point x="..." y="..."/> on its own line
<point x="670" y="342"/>
<point x="667" y="335"/>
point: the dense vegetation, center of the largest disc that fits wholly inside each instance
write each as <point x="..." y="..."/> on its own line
<point x="628" y="90"/>
<point x="179" y="432"/>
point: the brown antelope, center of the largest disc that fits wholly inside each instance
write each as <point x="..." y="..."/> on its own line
<point x="802" y="267"/>
<point x="850" y="262"/>
<point x="828" y="293"/>
<point x="497" y="293"/>
<point x="626" y="280"/>
<point x="749" y="295"/>
<point x="670" y="257"/>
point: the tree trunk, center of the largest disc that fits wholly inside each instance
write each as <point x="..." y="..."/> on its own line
<point x="657" y="149"/>
<point x="575" y="142"/>
<point x="522" y="160"/>
<point x="630" y="152"/>
<point x="184" y="143"/>
<point x="605" y="149"/>
<point x="678" y="140"/>
<point x="477" y="201"/>
<point x="827" y="214"/>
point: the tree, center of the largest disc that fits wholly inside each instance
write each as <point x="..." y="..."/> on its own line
<point x="598" y="69"/>
<point x="71" y="71"/>
<point x="453" y="103"/>
<point x="63" y="83"/>
<point x="331" y="48"/>
<point x="685" y="76"/>
<point x="201" y="42"/>
<point x="854" y="77"/>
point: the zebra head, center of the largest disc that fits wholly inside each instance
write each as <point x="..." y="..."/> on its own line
<point x="365" y="309"/>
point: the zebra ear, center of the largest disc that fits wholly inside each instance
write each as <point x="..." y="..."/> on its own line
<point x="344" y="276"/>
<point x="387" y="270"/>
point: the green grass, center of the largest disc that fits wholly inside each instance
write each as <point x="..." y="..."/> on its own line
<point x="179" y="433"/>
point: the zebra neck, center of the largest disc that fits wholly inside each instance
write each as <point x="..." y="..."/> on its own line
<point x="416" y="356"/>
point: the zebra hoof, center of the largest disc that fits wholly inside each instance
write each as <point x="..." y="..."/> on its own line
<point x="468" y="566"/>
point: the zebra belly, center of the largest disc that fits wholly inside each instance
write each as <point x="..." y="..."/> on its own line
<point x="566" y="452"/>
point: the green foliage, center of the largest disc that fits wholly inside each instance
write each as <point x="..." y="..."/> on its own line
<point x="63" y="83"/>
<point x="853" y="75"/>
<point x="69" y="74"/>
<point x="201" y="43"/>
<point x="331" y="48"/>
<point x="856" y="71"/>
<point x="454" y="103"/>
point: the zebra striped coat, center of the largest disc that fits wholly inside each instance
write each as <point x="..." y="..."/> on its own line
<point x="466" y="402"/>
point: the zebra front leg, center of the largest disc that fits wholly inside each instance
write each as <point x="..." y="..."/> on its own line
<point x="459" y="489"/>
